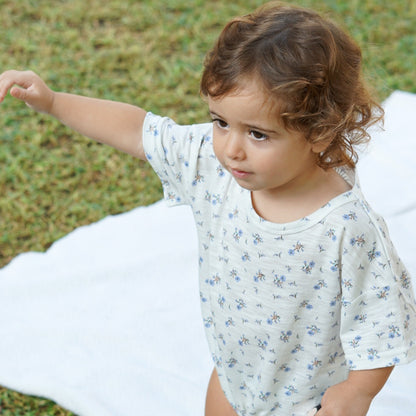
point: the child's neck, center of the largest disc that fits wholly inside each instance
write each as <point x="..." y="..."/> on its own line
<point x="287" y="206"/>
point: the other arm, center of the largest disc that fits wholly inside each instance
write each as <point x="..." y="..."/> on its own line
<point x="114" y="123"/>
<point x="354" y="396"/>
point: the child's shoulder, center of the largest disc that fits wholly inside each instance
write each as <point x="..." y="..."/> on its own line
<point x="355" y="216"/>
<point x="155" y="125"/>
<point x="365" y="235"/>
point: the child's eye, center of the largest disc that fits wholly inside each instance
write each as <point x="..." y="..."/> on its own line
<point x="258" y="136"/>
<point x="220" y="123"/>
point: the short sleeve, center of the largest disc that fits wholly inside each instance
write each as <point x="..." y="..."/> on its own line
<point x="176" y="154"/>
<point x="378" y="312"/>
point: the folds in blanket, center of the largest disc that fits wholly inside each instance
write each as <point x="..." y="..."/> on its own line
<point x="104" y="323"/>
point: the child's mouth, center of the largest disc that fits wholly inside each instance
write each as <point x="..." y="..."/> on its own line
<point x="239" y="174"/>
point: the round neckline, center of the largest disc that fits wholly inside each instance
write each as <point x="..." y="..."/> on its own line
<point x="305" y="222"/>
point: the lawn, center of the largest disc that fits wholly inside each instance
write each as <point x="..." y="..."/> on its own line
<point x="147" y="53"/>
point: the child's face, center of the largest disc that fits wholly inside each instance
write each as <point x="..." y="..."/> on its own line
<point x="259" y="152"/>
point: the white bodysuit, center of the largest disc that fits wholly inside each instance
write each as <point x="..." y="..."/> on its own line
<point x="290" y="308"/>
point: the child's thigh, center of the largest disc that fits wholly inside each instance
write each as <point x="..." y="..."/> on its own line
<point x="216" y="403"/>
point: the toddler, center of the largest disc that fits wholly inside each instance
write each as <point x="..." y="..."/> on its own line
<point x="305" y="303"/>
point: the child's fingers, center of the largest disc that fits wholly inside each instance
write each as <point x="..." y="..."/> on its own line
<point x="19" y="93"/>
<point x="10" y="78"/>
<point x="5" y="85"/>
<point x="22" y="78"/>
<point x="28" y="87"/>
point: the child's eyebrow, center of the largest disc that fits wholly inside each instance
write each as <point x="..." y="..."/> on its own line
<point x="261" y="129"/>
<point x="250" y="126"/>
<point x="213" y="114"/>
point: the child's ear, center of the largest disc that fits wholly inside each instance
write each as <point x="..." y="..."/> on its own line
<point x="319" y="146"/>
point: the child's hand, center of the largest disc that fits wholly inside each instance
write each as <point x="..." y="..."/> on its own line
<point x="34" y="92"/>
<point x="345" y="399"/>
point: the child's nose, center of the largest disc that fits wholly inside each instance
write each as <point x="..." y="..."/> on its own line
<point x="234" y="148"/>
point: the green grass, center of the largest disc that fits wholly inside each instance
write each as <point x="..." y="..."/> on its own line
<point x="147" y="53"/>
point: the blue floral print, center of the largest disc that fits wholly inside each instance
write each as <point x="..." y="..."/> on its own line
<point x="288" y="309"/>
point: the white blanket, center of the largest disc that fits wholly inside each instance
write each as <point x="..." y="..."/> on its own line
<point x="107" y="321"/>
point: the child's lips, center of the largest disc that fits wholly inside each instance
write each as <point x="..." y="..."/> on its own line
<point x="239" y="174"/>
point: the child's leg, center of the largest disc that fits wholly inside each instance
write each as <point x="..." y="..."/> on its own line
<point x="216" y="403"/>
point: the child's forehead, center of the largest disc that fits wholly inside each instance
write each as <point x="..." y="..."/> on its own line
<point x="250" y="85"/>
<point x="248" y="95"/>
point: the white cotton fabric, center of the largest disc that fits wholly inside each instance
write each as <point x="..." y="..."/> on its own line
<point x="288" y="309"/>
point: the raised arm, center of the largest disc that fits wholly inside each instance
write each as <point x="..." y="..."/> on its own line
<point x="114" y="123"/>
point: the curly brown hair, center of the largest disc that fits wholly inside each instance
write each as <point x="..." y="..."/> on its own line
<point x="311" y="69"/>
